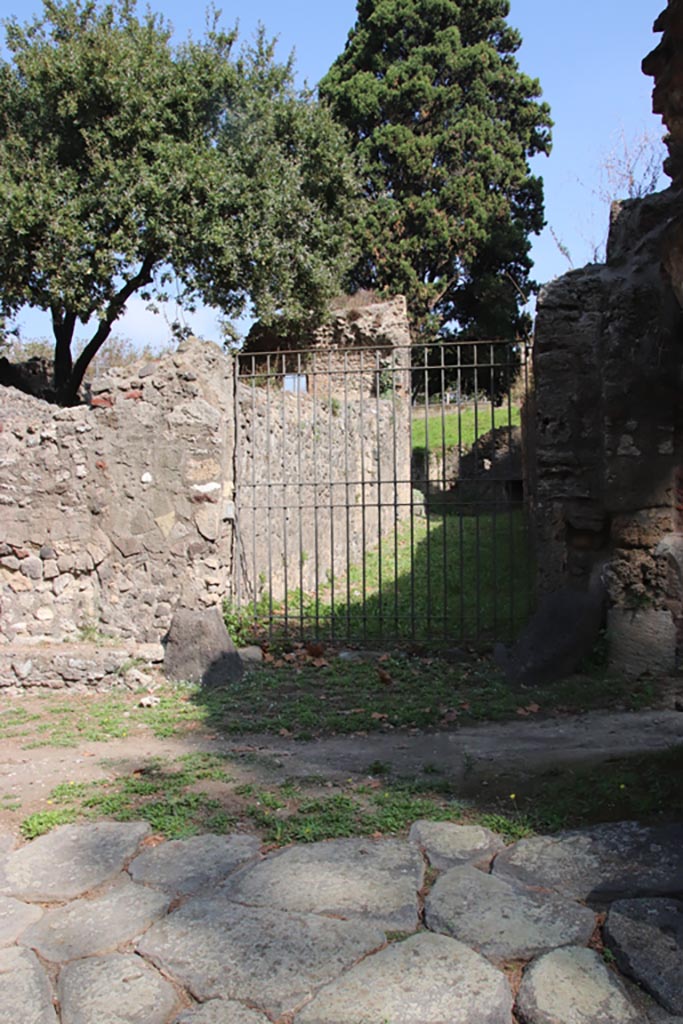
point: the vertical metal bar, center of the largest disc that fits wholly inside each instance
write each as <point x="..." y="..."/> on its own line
<point x="363" y="491"/>
<point x="254" y="577"/>
<point x="496" y="485"/>
<point x="347" y="492"/>
<point x="330" y="474"/>
<point x="300" y="494"/>
<point x="396" y="487"/>
<point x="444" y="510"/>
<point x="477" y="504"/>
<point x="411" y="358"/>
<point x="511" y="511"/>
<point x="269" y="493"/>
<point x="428" y="505"/>
<point x="378" y="455"/>
<point x="461" y="535"/>
<point x="316" y="484"/>
<point x="285" y="494"/>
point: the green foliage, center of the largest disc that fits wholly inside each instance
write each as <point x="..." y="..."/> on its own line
<point x="444" y="123"/>
<point x="43" y="821"/>
<point x="128" y="164"/>
<point x="458" y="429"/>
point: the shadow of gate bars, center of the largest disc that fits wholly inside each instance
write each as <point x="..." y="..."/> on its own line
<point x="380" y="493"/>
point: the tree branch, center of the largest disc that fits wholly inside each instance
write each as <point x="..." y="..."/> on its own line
<point x="113" y="311"/>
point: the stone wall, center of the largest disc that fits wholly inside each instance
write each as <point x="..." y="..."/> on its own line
<point x="361" y="350"/>
<point x="112" y="513"/>
<point x="608" y="368"/>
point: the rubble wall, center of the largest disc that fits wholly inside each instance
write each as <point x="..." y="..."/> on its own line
<point x="112" y="513"/>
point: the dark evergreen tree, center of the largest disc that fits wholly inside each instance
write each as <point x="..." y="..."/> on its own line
<point x="444" y="122"/>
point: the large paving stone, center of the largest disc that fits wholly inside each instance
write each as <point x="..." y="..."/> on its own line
<point x="428" y="979"/>
<point x="25" y="992"/>
<point x="348" y="878"/>
<point x="448" y="845"/>
<point x="87" y="927"/>
<point x="71" y="860"/>
<point x="646" y="936"/>
<point x="265" y="957"/>
<point x="186" y="866"/>
<point x="6" y="845"/>
<point x="114" y="989"/>
<point x="221" y="1011"/>
<point x="15" y="917"/>
<point x="603" y="863"/>
<point x="501" y="920"/>
<point x="573" y="986"/>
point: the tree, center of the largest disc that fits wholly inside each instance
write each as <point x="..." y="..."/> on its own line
<point x="125" y="160"/>
<point x="443" y="123"/>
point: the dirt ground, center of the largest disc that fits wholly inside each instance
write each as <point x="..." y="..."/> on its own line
<point x="484" y="758"/>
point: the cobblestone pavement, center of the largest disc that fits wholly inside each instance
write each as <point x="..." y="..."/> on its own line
<point x="105" y="924"/>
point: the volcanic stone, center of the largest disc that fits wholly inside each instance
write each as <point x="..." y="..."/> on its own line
<point x="268" y="958"/>
<point x="121" y="989"/>
<point x="501" y="920"/>
<point x="574" y="986"/>
<point x="428" y="979"/>
<point x="186" y="866"/>
<point x="25" y="993"/>
<point x="448" y="845"/>
<point x="347" y="878"/>
<point x="199" y="649"/>
<point x="646" y="937"/>
<point x="14" y="918"/>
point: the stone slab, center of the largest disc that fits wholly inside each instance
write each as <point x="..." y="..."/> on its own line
<point x="221" y="1011"/>
<point x="501" y="920"/>
<point x="88" y="927"/>
<point x="574" y="986"/>
<point x="646" y="936"/>
<point x="268" y="958"/>
<point x="376" y="880"/>
<point x="186" y="866"/>
<point x="25" y="992"/>
<point x="428" y="979"/>
<point x="602" y="863"/>
<point x="118" y="989"/>
<point x="15" y="917"/>
<point x="71" y="860"/>
<point x="447" y="845"/>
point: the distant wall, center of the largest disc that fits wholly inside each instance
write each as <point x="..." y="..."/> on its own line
<point x="114" y="512"/>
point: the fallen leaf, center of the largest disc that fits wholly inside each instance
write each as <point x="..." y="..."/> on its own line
<point x="384" y="677"/>
<point x="378" y="716"/>
<point x="319" y="663"/>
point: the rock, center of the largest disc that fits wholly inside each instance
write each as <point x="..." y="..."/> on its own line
<point x="447" y="845"/>
<point x="503" y="921"/>
<point x="573" y="986"/>
<point x="251" y="655"/>
<point x="25" y="992"/>
<point x="345" y="878"/>
<point x="646" y="937"/>
<point x="428" y="979"/>
<point x="199" y="649"/>
<point x="268" y="958"/>
<point x="602" y="863"/>
<point x="92" y="926"/>
<point x="185" y="867"/>
<point x="561" y="633"/>
<point x="70" y="860"/>
<point x="221" y="1011"/>
<point x="116" y="988"/>
<point x="15" y="917"/>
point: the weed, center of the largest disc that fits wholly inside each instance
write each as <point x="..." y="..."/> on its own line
<point x="42" y="821"/>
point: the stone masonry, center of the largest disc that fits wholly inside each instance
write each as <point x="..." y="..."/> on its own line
<point x="113" y="513"/>
<point x="608" y="363"/>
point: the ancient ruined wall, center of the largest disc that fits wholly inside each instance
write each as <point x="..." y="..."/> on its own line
<point x="360" y="350"/>
<point x="113" y="513"/>
<point x="609" y="417"/>
<point x="317" y="484"/>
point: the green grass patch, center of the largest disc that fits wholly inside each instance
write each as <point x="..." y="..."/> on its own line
<point x="441" y="576"/>
<point x="436" y="430"/>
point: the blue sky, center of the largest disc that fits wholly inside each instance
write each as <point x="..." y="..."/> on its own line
<point x="586" y="55"/>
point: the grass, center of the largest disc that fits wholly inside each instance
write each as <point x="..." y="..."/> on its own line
<point x="437" y="431"/>
<point x="451" y="576"/>
<point x="170" y="797"/>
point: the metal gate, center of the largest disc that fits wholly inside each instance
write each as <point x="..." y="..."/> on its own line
<point x="380" y="492"/>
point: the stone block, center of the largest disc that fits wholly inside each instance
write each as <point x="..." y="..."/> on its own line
<point x="641" y="640"/>
<point x="199" y="649"/>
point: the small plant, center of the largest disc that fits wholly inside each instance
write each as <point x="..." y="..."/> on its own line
<point x="43" y="821"/>
<point x="335" y="406"/>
